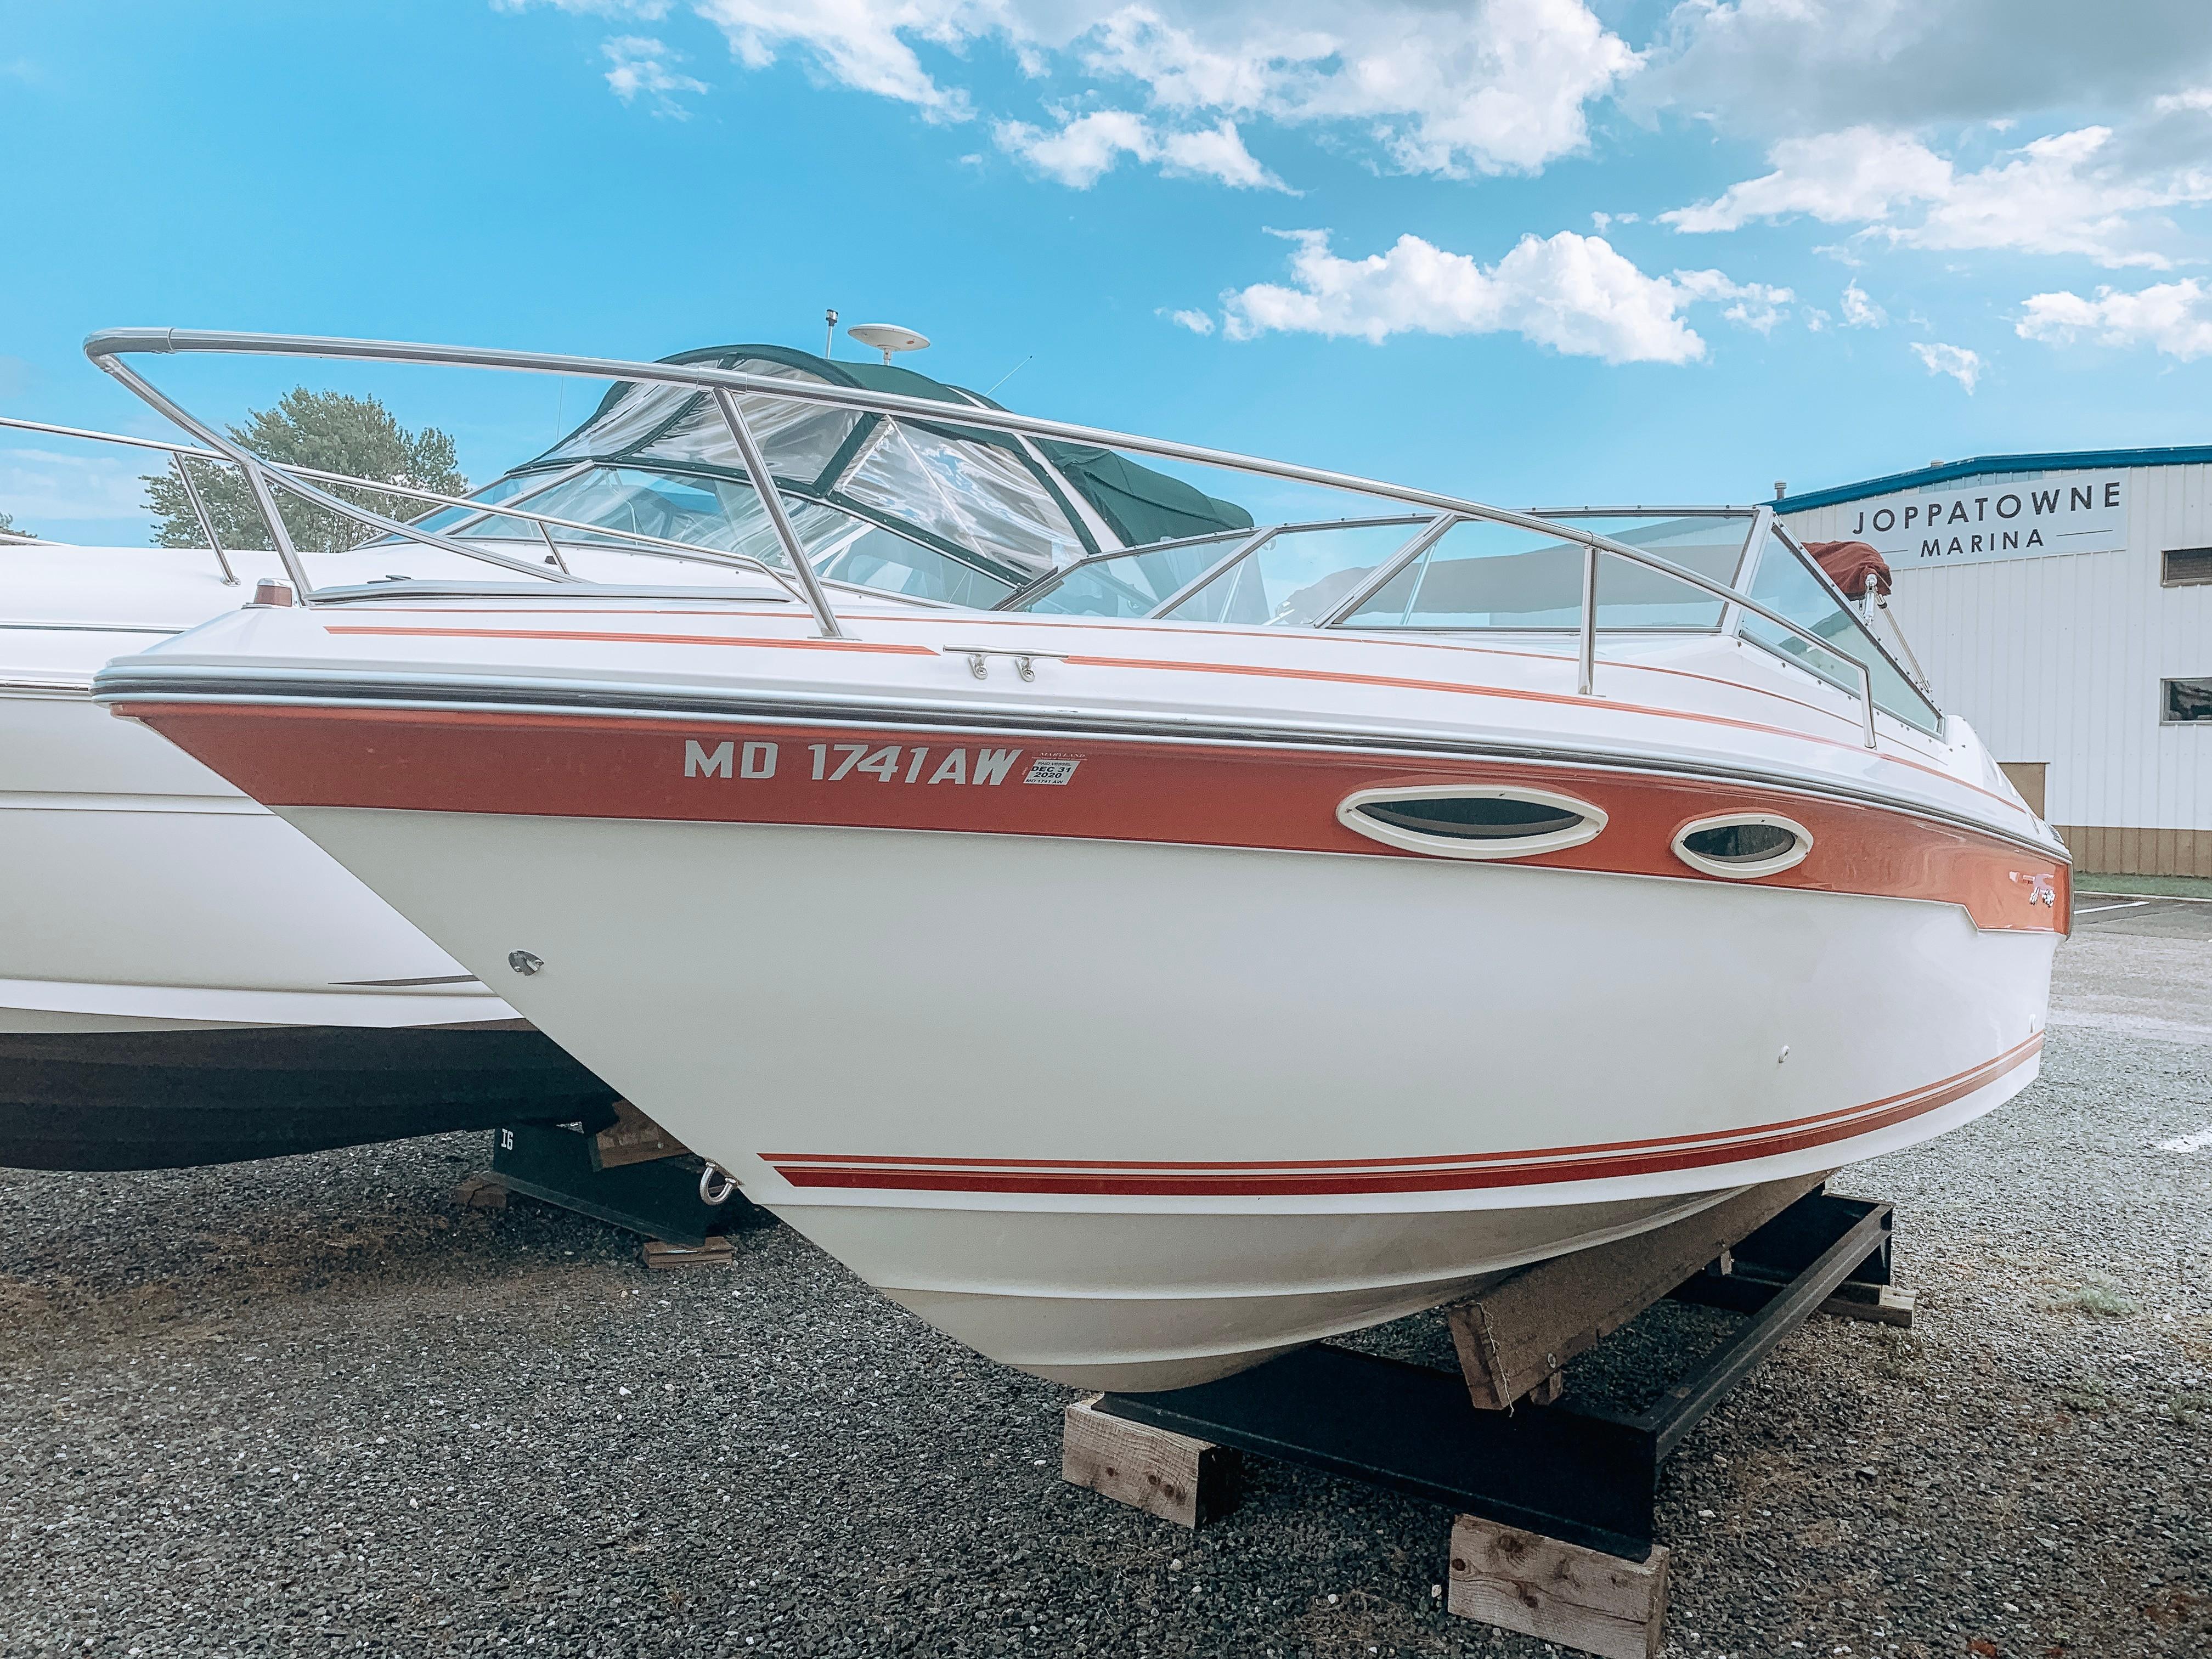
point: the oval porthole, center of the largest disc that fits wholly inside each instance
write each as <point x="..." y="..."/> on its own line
<point x="1743" y="846"/>
<point x="1455" y="821"/>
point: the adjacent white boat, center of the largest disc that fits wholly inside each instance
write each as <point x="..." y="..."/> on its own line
<point x="1226" y="944"/>
<point x="184" y="979"/>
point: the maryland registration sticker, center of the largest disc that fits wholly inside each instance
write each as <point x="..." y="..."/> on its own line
<point x="1051" y="769"/>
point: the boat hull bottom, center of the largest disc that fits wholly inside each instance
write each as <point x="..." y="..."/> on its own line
<point x="184" y="1096"/>
<point x="1115" y="1316"/>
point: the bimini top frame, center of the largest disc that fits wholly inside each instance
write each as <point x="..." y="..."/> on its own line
<point x="107" y="348"/>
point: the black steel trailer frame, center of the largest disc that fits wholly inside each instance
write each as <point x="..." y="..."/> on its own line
<point x="1584" y="1475"/>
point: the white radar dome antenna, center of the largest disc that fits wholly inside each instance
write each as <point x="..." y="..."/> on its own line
<point x="887" y="337"/>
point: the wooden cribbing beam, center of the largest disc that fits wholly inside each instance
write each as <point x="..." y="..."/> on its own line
<point x="1513" y="1338"/>
<point x="632" y="1137"/>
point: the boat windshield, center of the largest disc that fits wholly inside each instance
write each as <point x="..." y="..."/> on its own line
<point x="1133" y="583"/>
<point x="928" y="508"/>
<point x="727" y="515"/>
<point x="1418" y="571"/>
<point x="1787" y="582"/>
<point x="1483" y="574"/>
<point x="1298" y="577"/>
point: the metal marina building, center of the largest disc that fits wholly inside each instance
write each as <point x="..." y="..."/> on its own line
<point x="2063" y="604"/>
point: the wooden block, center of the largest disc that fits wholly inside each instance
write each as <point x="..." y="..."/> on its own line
<point x="633" y="1138"/>
<point x="660" y="1255"/>
<point x="1171" y="1475"/>
<point x="1558" y="1592"/>
<point x="480" y="1191"/>
<point x="1882" y="1304"/>
<point x="1513" y="1337"/>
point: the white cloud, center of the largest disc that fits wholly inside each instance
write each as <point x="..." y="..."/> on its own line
<point x="2175" y="317"/>
<point x="1084" y="148"/>
<point x="1494" y="86"/>
<point x="1859" y="311"/>
<point x="1961" y="365"/>
<point x="1215" y="152"/>
<point x="1574" y="294"/>
<point x="2075" y="193"/>
<point x="1486" y="86"/>
<point x="2067" y="193"/>
<point x="645" y="65"/>
<point x="1198" y="322"/>
<point x="1754" y="305"/>
<point x="1777" y="67"/>
<point x="1838" y="177"/>
<point x="41" y="487"/>
<point x="866" y="44"/>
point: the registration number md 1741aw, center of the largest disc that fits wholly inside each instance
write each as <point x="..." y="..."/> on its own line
<point x="887" y="762"/>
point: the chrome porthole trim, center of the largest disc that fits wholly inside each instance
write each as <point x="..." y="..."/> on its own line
<point x="1747" y="869"/>
<point x="1350" y="813"/>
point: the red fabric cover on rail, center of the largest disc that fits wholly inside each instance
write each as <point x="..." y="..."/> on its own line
<point x="1849" y="564"/>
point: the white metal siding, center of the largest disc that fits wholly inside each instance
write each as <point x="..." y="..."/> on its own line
<point x="2058" y="659"/>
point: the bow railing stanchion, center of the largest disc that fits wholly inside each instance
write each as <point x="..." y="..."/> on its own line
<point x="280" y="536"/>
<point x="543" y="524"/>
<point x="772" y="498"/>
<point x="259" y="472"/>
<point x="1586" y="641"/>
<point x="264" y="500"/>
<point x="552" y="548"/>
<point x="207" y="522"/>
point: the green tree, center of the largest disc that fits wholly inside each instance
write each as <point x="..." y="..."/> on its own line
<point x="8" y="525"/>
<point x="325" y="430"/>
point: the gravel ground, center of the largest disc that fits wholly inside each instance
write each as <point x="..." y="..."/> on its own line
<point x="314" y="1406"/>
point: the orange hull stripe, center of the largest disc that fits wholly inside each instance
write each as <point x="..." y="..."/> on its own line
<point x="592" y="766"/>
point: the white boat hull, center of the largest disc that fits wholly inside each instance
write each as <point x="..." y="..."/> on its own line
<point x="183" y="978"/>
<point x="1421" y="1072"/>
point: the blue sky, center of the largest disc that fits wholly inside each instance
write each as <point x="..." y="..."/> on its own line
<point x="1534" y="251"/>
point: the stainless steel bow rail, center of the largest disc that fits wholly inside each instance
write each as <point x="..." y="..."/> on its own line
<point x="108" y="348"/>
<point x="1533" y="1481"/>
<point x="273" y="477"/>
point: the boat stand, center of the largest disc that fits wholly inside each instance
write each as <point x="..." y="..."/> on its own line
<point x="632" y="1174"/>
<point x="1554" y="1499"/>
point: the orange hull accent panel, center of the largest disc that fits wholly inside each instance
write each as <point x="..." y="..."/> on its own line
<point x="563" y="765"/>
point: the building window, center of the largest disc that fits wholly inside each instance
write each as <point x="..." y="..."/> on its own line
<point x="2185" y="703"/>
<point x="2186" y="567"/>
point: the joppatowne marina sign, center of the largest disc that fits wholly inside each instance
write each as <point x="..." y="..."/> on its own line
<point x="2013" y="518"/>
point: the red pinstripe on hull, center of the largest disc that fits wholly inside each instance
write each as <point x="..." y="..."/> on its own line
<point x="1194" y="794"/>
<point x="1323" y="1178"/>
